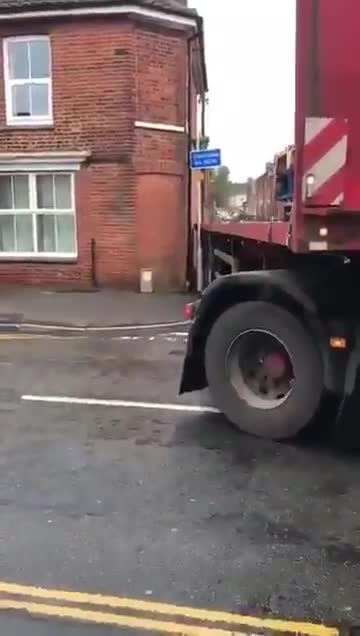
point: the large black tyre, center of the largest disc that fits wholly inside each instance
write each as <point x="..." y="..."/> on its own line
<point x="291" y="414"/>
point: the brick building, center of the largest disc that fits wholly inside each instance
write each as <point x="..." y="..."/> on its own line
<point x="99" y="105"/>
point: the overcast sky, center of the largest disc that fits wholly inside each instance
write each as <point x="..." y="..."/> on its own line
<point x="250" y="57"/>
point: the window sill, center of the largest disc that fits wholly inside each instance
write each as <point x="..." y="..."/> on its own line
<point x="30" y="125"/>
<point x="37" y="258"/>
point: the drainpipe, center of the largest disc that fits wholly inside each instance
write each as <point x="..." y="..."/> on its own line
<point x="201" y="207"/>
<point x="189" y="256"/>
<point x="199" y="36"/>
<point x="203" y="134"/>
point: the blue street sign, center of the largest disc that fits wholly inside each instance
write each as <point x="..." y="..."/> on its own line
<point x="205" y="159"/>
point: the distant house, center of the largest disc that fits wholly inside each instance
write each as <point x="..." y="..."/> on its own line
<point x="238" y="195"/>
<point x="97" y="98"/>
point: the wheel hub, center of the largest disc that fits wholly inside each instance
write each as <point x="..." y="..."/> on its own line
<point x="275" y="365"/>
<point x="260" y="369"/>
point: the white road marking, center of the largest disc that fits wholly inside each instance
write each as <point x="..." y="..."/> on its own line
<point x="129" y="404"/>
<point x="18" y="335"/>
<point x="163" y="336"/>
<point x="176" y="334"/>
<point x="40" y="327"/>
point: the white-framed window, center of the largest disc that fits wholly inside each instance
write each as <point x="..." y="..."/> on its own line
<point x="37" y="215"/>
<point x="27" y="74"/>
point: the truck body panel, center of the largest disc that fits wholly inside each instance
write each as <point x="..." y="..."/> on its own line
<point x="277" y="336"/>
<point x="327" y="126"/>
<point x="324" y="207"/>
<point x="273" y="232"/>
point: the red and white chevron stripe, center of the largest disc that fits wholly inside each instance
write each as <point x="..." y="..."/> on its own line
<point x="325" y="152"/>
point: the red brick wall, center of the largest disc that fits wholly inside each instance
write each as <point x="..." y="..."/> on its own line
<point x="93" y="70"/>
<point x="162" y="230"/>
<point x="161" y="76"/>
<point x="161" y="157"/>
<point x="93" y="88"/>
<point x="163" y="94"/>
<point x="107" y="73"/>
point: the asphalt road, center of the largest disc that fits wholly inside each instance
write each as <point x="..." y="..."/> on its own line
<point x="164" y="506"/>
<point x="22" y="626"/>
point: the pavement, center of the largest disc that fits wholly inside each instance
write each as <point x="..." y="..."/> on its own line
<point x="127" y="509"/>
<point x="105" y="308"/>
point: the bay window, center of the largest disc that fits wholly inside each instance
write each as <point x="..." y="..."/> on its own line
<point x="37" y="215"/>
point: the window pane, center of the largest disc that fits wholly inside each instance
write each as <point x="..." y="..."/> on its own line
<point x="46" y="232"/>
<point x="66" y="233"/>
<point x="18" y="60"/>
<point x="7" y="233"/>
<point x="5" y="193"/>
<point x="24" y="232"/>
<point x="21" y="100"/>
<point x="39" y="58"/>
<point x="21" y="192"/>
<point x="39" y="99"/>
<point x="63" y="192"/>
<point x="44" y="191"/>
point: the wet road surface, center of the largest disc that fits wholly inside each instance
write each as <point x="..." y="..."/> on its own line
<point x="158" y="505"/>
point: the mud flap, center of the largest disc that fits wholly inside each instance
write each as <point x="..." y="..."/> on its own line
<point x="193" y="372"/>
<point x="347" y="426"/>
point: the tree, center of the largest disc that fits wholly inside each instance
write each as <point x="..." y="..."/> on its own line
<point x="222" y="187"/>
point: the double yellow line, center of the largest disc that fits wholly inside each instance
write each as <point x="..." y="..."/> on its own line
<point x="143" y="615"/>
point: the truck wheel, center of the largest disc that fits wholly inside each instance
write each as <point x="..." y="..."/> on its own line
<point x="264" y="371"/>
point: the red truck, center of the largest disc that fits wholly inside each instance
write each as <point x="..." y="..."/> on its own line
<point x="276" y="332"/>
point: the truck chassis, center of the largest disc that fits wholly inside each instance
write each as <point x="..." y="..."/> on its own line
<point x="276" y="334"/>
